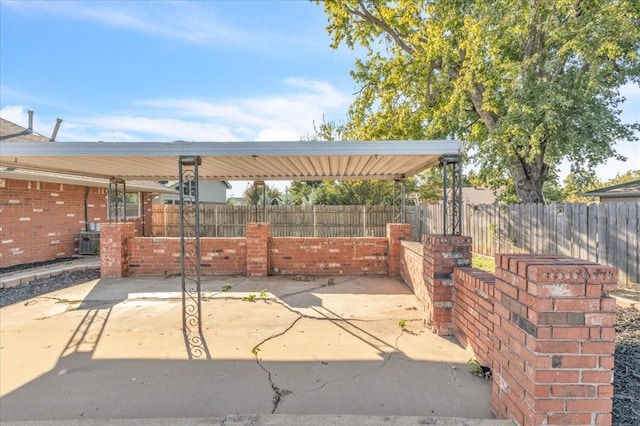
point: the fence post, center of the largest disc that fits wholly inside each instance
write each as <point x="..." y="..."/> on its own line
<point x="364" y="221"/>
<point x="165" y="221"/>
<point x="315" y="230"/>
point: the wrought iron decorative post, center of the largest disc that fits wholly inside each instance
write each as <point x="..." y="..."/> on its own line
<point x="259" y="185"/>
<point x="399" y="200"/>
<point x="190" y="262"/>
<point x="451" y="194"/>
<point x="116" y="197"/>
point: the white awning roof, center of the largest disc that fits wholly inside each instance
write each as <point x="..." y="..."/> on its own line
<point x="299" y="160"/>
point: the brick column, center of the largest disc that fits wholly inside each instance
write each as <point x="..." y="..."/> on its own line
<point x="396" y="232"/>
<point x="258" y="236"/>
<point x="554" y="340"/>
<point x="114" y="254"/>
<point x="442" y="253"/>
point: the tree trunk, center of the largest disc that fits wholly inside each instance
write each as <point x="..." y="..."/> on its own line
<point x="528" y="182"/>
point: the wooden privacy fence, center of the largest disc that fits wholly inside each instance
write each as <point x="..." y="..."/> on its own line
<point x="602" y="233"/>
<point x="286" y="221"/>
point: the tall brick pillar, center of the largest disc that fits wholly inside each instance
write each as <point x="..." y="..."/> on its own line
<point x="553" y="341"/>
<point x="114" y="261"/>
<point x="442" y="253"/>
<point x="258" y="236"/>
<point x="396" y="232"/>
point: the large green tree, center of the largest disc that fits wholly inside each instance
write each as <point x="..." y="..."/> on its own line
<point x="527" y="83"/>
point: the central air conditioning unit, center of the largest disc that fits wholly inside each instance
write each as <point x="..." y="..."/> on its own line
<point x="89" y="242"/>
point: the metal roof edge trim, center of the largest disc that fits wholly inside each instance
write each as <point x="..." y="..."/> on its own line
<point x="230" y="149"/>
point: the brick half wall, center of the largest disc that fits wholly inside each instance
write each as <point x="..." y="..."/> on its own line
<point x="317" y="256"/>
<point x="161" y="256"/>
<point x="473" y="315"/>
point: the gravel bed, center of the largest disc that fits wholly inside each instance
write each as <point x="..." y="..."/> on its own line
<point x="626" y="383"/>
<point x="626" y="396"/>
<point x="35" y="288"/>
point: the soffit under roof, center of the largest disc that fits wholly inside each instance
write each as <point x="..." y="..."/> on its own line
<point x="42" y="176"/>
<point x="299" y="160"/>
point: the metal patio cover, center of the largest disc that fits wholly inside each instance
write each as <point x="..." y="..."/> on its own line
<point x="298" y="160"/>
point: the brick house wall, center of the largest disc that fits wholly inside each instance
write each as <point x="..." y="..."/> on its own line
<point x="42" y="221"/>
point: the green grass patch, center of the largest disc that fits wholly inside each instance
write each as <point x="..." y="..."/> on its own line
<point x="486" y="263"/>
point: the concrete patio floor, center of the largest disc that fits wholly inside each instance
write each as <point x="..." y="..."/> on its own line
<point x="114" y="349"/>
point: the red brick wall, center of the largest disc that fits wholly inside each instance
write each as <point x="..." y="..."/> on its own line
<point x="161" y="256"/>
<point x="292" y="255"/>
<point x="473" y="315"/>
<point x="442" y="253"/>
<point x="42" y="221"/>
<point x="396" y="234"/>
<point x="412" y="273"/>
<point x="114" y="249"/>
<point x="258" y="240"/>
<point x="554" y="340"/>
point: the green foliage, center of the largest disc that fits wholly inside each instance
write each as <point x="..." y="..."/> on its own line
<point x="486" y="263"/>
<point x="402" y="324"/>
<point x="226" y="287"/>
<point x="621" y="178"/>
<point x="250" y="298"/>
<point x="577" y="183"/>
<point x="527" y="84"/>
<point x="262" y="195"/>
<point x="263" y="293"/>
<point x="474" y="367"/>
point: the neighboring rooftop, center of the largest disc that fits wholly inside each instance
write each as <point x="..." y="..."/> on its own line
<point x="623" y="190"/>
<point x="11" y="132"/>
<point x="476" y="195"/>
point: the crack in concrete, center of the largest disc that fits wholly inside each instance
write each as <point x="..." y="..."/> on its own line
<point x="278" y="393"/>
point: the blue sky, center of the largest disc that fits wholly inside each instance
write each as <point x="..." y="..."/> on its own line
<point x="165" y="71"/>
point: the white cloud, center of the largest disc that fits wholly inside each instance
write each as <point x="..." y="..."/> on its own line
<point x="271" y="117"/>
<point x="15" y="113"/>
<point x="195" y="23"/>
<point x="630" y="89"/>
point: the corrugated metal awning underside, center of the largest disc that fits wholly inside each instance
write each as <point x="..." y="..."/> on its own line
<point x="232" y="160"/>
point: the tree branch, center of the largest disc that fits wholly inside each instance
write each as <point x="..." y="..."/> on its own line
<point x="368" y="16"/>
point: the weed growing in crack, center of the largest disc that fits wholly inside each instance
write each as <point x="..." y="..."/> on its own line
<point x="478" y="370"/>
<point x="249" y="298"/>
<point x="402" y="324"/>
<point x="263" y="293"/>
<point x="255" y="351"/>
<point x="226" y="287"/>
<point x="331" y="281"/>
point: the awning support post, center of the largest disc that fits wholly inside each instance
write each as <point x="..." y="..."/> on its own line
<point x="451" y="194"/>
<point x="400" y="200"/>
<point x="117" y="197"/>
<point x="190" y="257"/>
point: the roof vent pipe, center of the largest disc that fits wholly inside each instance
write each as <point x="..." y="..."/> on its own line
<point x="55" y="130"/>
<point x="30" y="129"/>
